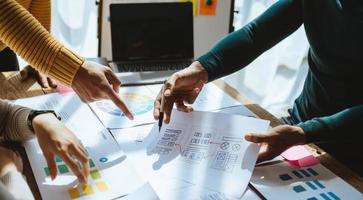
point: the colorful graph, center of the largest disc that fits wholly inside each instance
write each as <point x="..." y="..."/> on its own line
<point x="305" y="186"/>
<point x="95" y="183"/>
<point x="138" y="104"/>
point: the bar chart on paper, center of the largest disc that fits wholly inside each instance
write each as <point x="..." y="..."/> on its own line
<point x="282" y="181"/>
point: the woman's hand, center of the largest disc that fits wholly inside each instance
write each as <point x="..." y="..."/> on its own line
<point x="95" y="82"/>
<point x="277" y="140"/>
<point x="9" y="160"/>
<point x="182" y="87"/>
<point x="29" y="72"/>
<point x="55" y="139"/>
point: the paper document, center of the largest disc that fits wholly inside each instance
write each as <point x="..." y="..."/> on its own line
<point x="203" y="148"/>
<point x="140" y="100"/>
<point x="109" y="168"/>
<point x="283" y="181"/>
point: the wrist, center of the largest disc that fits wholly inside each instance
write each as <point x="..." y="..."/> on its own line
<point x="37" y="116"/>
<point x="198" y="67"/>
<point x="299" y="135"/>
<point x="43" y="119"/>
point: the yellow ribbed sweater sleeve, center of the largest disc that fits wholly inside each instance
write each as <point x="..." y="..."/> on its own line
<point x="20" y="31"/>
<point x="41" y="10"/>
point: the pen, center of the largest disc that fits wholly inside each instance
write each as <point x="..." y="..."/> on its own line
<point x="161" y="111"/>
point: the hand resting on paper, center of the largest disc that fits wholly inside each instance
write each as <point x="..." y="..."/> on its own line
<point x="181" y="88"/>
<point x="276" y="141"/>
<point x="55" y="139"/>
<point x="29" y="72"/>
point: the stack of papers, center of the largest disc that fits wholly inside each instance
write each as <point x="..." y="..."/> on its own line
<point x="109" y="168"/>
<point x="204" y="151"/>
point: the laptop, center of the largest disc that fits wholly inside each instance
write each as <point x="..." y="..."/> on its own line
<point x="151" y="41"/>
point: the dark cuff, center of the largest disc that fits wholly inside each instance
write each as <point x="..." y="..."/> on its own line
<point x="315" y="131"/>
<point x="211" y="64"/>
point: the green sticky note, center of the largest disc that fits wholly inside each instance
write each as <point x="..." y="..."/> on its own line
<point x="58" y="159"/>
<point x="91" y="163"/>
<point x="63" y="169"/>
<point x="46" y="170"/>
<point x="95" y="174"/>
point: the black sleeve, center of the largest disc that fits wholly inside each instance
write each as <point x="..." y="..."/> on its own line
<point x="241" y="47"/>
<point x="345" y="125"/>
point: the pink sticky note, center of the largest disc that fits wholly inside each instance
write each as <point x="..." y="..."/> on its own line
<point x="64" y="90"/>
<point x="299" y="156"/>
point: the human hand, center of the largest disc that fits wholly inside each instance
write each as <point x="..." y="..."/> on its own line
<point x="277" y="140"/>
<point x="94" y="82"/>
<point x="9" y="160"/>
<point x="55" y="139"/>
<point x="182" y="87"/>
<point x="29" y="72"/>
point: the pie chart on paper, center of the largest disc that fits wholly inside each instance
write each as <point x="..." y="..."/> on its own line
<point x="137" y="103"/>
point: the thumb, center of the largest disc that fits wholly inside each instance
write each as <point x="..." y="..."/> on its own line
<point x="257" y="137"/>
<point x="24" y="73"/>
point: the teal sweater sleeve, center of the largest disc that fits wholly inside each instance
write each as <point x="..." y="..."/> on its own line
<point x="340" y="126"/>
<point x="241" y="47"/>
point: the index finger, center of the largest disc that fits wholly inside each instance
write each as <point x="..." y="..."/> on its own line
<point x="120" y="103"/>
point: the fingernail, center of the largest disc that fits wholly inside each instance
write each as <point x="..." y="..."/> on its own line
<point x="167" y="92"/>
<point x="130" y="116"/>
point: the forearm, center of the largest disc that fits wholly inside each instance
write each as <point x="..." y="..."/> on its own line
<point x="13" y="122"/>
<point x="27" y="37"/>
<point x="345" y="125"/>
<point x="15" y="185"/>
<point x="239" y="48"/>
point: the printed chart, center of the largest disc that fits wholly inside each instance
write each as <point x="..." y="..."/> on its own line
<point x="139" y="105"/>
<point x="283" y="181"/>
<point x="95" y="181"/>
<point x="109" y="167"/>
<point x="140" y="102"/>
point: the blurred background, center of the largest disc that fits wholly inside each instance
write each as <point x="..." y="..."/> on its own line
<point x="273" y="80"/>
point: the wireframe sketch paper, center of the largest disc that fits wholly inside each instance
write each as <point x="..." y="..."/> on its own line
<point x="109" y="168"/>
<point x="284" y="181"/>
<point x="203" y="148"/>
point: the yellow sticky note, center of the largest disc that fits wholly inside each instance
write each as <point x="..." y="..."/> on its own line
<point x="101" y="186"/>
<point x="194" y="2"/>
<point x="87" y="190"/>
<point x="73" y="193"/>
<point x="95" y="174"/>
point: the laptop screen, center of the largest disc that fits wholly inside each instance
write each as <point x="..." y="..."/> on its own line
<point x="151" y="31"/>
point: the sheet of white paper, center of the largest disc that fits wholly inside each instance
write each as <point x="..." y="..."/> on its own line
<point x="109" y="169"/>
<point x="284" y="181"/>
<point x="203" y="148"/>
<point x="146" y="192"/>
<point x="140" y="101"/>
<point x="210" y="98"/>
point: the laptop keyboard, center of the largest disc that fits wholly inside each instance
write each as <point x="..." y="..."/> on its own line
<point x="140" y="67"/>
